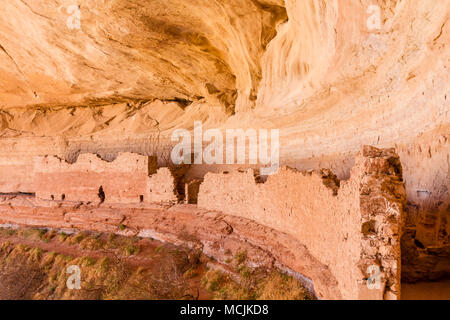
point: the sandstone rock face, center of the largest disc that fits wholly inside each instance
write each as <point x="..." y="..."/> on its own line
<point x="114" y="76"/>
<point x="126" y="49"/>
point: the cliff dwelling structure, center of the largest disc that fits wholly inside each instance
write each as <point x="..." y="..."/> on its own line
<point x="314" y="135"/>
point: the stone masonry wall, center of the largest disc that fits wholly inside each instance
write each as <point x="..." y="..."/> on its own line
<point x="348" y="226"/>
<point x="161" y="186"/>
<point x="124" y="180"/>
<point x="16" y="174"/>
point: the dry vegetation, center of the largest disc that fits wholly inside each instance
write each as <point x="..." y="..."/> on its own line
<point x="110" y="267"/>
<point x="33" y="265"/>
<point x="252" y="284"/>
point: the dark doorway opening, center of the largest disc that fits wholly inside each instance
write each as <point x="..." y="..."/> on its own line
<point x="101" y="194"/>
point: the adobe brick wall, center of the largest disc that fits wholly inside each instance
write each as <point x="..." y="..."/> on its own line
<point x="16" y="174"/>
<point x="161" y="187"/>
<point x="124" y="180"/>
<point x="348" y="227"/>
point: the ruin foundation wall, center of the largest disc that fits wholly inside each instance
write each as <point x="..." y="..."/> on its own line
<point x="130" y="178"/>
<point x="161" y="187"/>
<point x="16" y="174"/>
<point x="349" y="228"/>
